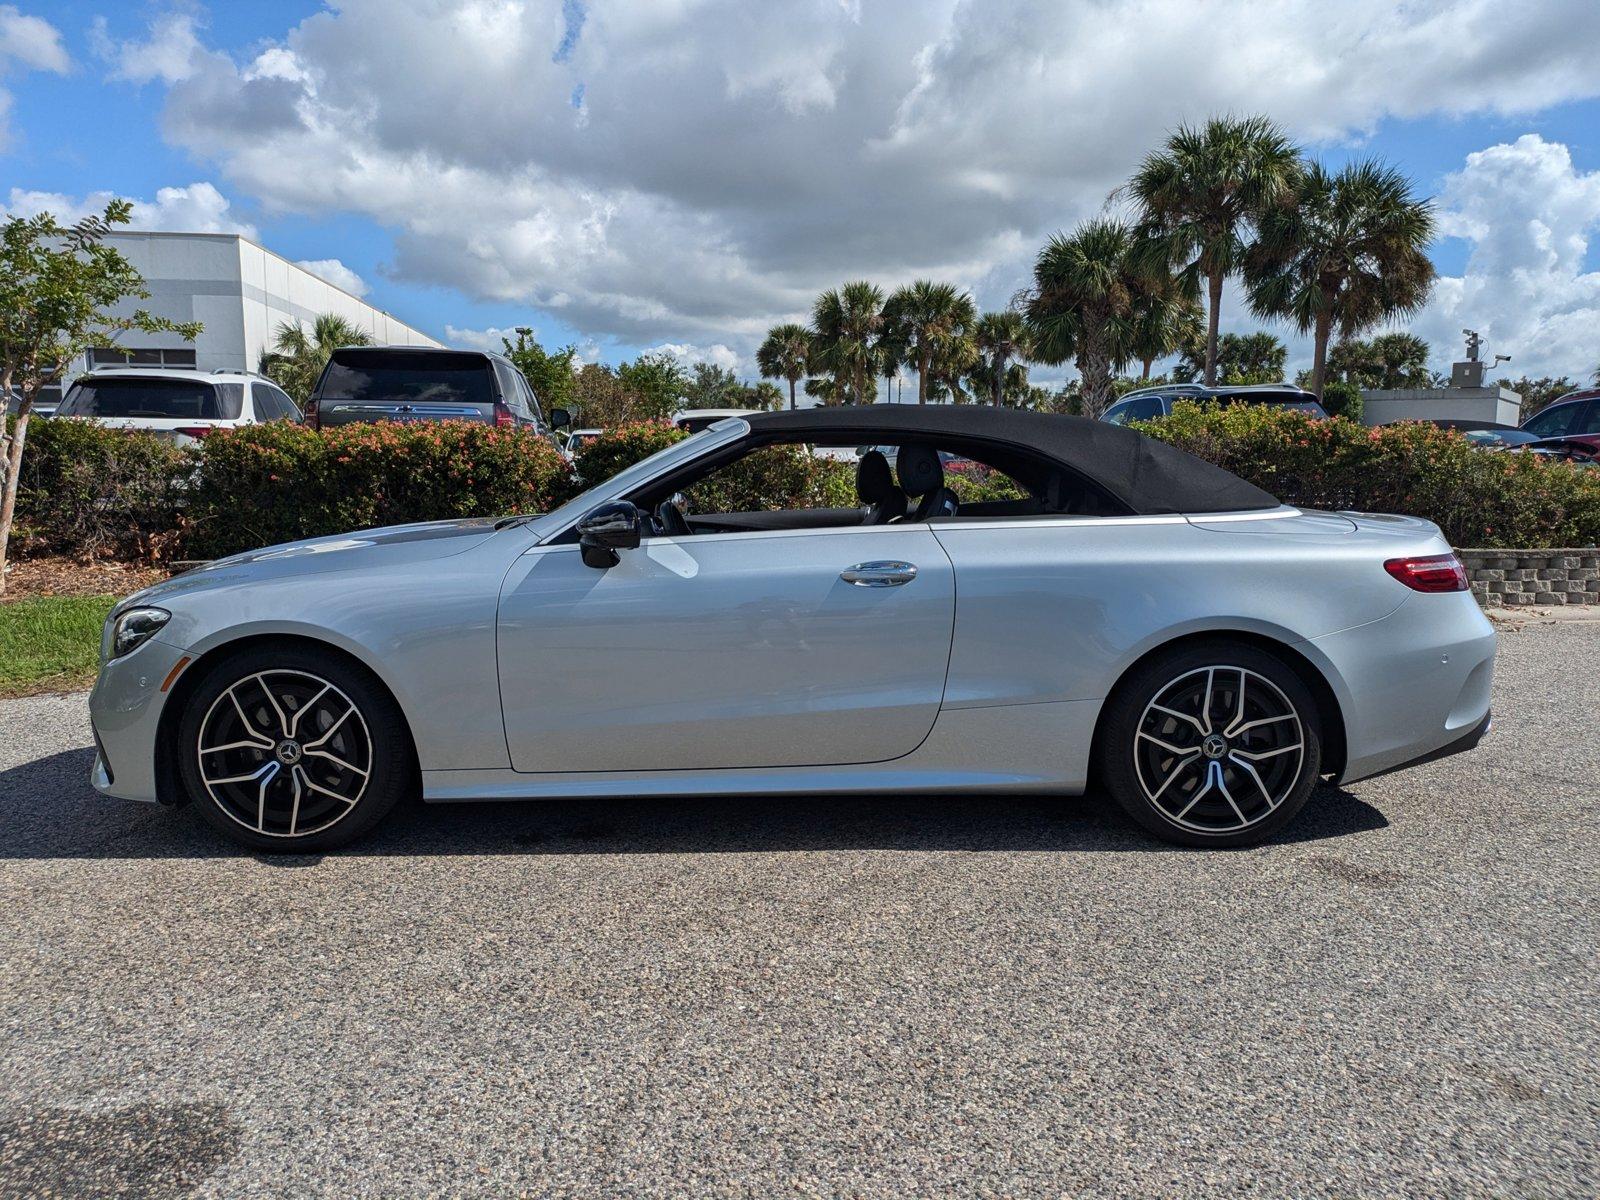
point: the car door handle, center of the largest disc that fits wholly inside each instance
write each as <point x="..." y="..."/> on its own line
<point x="879" y="574"/>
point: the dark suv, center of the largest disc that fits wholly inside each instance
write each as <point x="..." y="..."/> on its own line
<point x="1145" y="403"/>
<point x="407" y="383"/>
<point x="1574" y="413"/>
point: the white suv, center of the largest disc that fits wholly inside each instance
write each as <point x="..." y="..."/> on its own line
<point x="183" y="405"/>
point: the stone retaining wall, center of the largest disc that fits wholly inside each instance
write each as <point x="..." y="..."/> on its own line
<point x="1501" y="577"/>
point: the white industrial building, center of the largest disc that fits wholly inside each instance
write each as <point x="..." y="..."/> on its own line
<point x="240" y="292"/>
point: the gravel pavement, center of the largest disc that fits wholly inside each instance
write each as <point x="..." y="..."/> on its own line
<point x="859" y="997"/>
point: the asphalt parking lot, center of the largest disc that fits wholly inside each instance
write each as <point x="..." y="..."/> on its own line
<point x="861" y="997"/>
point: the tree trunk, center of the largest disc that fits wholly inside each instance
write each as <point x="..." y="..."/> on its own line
<point x="1094" y="366"/>
<point x="1148" y="363"/>
<point x="8" y="494"/>
<point x="999" y="379"/>
<point x="791" y="395"/>
<point x="1319" y="357"/>
<point x="924" y="362"/>
<point x="1213" y="315"/>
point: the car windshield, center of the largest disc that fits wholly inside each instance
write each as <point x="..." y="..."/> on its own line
<point x="1500" y="437"/>
<point x="161" y="399"/>
<point x="411" y="378"/>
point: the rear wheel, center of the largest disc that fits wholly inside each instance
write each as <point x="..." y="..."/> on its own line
<point x="1218" y="744"/>
<point x="291" y="749"/>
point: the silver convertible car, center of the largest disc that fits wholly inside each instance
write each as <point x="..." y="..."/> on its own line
<point x="1127" y="614"/>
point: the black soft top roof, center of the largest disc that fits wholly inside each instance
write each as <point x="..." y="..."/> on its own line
<point x="1150" y="477"/>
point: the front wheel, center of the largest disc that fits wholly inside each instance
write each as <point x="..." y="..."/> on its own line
<point x="291" y="749"/>
<point x="1219" y="744"/>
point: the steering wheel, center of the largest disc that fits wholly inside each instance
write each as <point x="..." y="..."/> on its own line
<point x="671" y="521"/>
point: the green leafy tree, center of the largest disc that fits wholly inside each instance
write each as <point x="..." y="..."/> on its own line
<point x="658" y="382"/>
<point x="785" y="354"/>
<point x="1349" y="252"/>
<point x="932" y="320"/>
<point x="711" y="386"/>
<point x="298" y="355"/>
<point x="1201" y="196"/>
<point x="1084" y="303"/>
<point x="762" y="395"/>
<point x="847" y="321"/>
<point x="1538" y="394"/>
<point x="1341" y="398"/>
<point x="1001" y="338"/>
<point x="1390" y="360"/>
<point x="601" y="399"/>
<point x="58" y="287"/>
<point x="1242" y="358"/>
<point x="550" y="374"/>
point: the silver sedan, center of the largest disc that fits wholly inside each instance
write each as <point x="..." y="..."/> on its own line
<point x="1117" y="611"/>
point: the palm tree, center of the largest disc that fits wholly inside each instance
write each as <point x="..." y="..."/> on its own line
<point x="846" y="321"/>
<point x="297" y="357"/>
<point x="784" y="354"/>
<point x="1350" y="252"/>
<point x="929" y="319"/>
<point x="1084" y="304"/>
<point x="1203" y="193"/>
<point x="1001" y="337"/>
<point x="1166" y="321"/>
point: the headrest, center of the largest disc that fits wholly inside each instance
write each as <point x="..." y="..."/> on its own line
<point x="874" y="481"/>
<point x="919" y="469"/>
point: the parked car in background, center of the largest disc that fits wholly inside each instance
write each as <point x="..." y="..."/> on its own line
<point x="408" y="384"/>
<point x="1144" y="404"/>
<point x="1583" y="449"/>
<point x="576" y="439"/>
<point x="1574" y="413"/>
<point x="181" y="404"/>
<point x="1490" y="435"/>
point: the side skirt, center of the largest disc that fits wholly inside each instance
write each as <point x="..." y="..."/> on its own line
<point x="1010" y="748"/>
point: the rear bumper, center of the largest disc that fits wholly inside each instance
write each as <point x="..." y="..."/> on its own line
<point x="1467" y="741"/>
<point x="1414" y="685"/>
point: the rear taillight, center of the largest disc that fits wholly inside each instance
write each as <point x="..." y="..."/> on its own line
<point x="503" y="415"/>
<point x="194" y="431"/>
<point x="1435" y="573"/>
<point x="313" y="413"/>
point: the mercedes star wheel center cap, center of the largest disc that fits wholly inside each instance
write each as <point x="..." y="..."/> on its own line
<point x="1215" y="746"/>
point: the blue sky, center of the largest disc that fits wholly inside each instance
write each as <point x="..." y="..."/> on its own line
<point x="625" y="175"/>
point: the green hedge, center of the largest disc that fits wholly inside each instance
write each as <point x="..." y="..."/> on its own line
<point x="278" y="482"/>
<point x="1478" y="497"/>
<point x="91" y="491"/>
<point x="773" y="477"/>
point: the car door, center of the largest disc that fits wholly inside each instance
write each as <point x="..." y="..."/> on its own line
<point x="758" y="649"/>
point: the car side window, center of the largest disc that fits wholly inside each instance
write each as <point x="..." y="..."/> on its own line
<point x="266" y="404"/>
<point x="1140" y="408"/>
<point x="287" y="409"/>
<point x="1590" y="423"/>
<point x="1556" y="421"/>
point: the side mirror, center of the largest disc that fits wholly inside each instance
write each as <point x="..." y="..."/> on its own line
<point x="560" y="418"/>
<point x="607" y="529"/>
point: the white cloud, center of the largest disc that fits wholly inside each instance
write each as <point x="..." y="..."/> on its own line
<point x="172" y="53"/>
<point x="198" y="208"/>
<point x="689" y="172"/>
<point x="336" y="273"/>
<point x="717" y="355"/>
<point x="27" y="43"/>
<point x="1528" y="216"/>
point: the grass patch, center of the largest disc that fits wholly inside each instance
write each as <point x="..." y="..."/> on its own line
<point x="50" y="643"/>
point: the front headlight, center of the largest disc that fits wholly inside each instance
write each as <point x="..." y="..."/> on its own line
<point x="126" y="631"/>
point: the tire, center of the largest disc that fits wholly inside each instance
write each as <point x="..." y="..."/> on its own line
<point x="304" y="751"/>
<point x="1162" y="756"/>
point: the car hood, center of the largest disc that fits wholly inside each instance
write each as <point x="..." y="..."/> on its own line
<point x="394" y="545"/>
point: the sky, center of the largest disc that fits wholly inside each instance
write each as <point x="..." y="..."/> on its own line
<point x="625" y="175"/>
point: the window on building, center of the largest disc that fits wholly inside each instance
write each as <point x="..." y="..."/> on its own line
<point x="132" y="356"/>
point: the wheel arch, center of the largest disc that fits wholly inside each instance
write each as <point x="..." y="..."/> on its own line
<point x="1330" y="711"/>
<point x="169" y="790"/>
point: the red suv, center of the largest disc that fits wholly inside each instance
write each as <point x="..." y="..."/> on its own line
<point x="1574" y="413"/>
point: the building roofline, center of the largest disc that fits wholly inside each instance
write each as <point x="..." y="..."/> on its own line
<point x="243" y="237"/>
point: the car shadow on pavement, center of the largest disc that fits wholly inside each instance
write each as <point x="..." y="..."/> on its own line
<point x="49" y="811"/>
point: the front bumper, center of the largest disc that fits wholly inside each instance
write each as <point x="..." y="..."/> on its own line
<point x="125" y="709"/>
